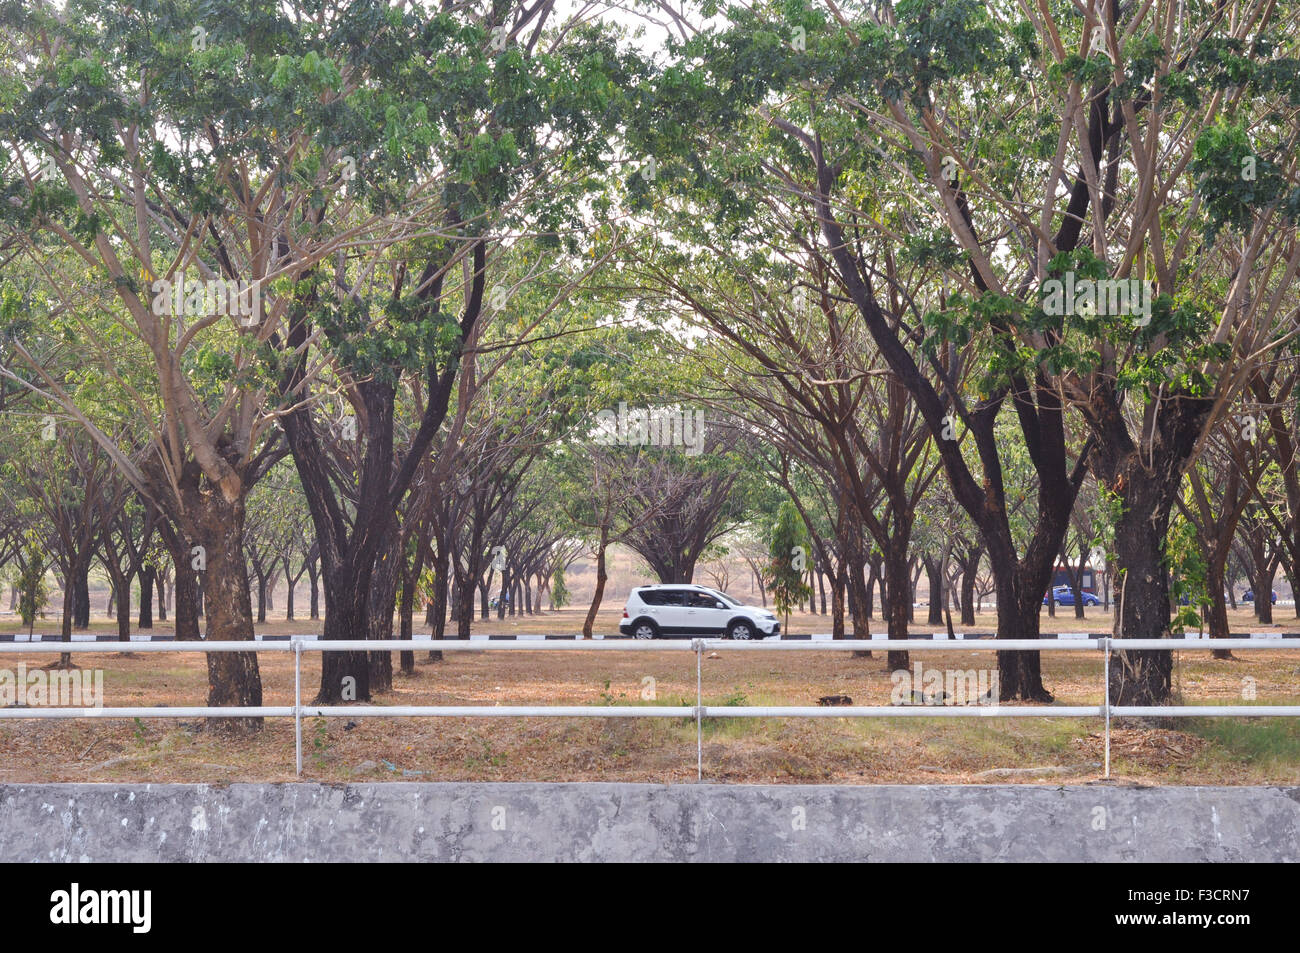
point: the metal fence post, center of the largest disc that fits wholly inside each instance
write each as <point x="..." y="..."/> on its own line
<point x="297" y="701"/>
<point x="1106" y="705"/>
<point x="699" y="711"/>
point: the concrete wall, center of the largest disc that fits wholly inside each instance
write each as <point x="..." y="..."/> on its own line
<point x="645" y="822"/>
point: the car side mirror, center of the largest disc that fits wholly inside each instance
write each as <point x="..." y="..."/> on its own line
<point x="719" y="605"/>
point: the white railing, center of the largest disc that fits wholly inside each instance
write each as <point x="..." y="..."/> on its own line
<point x="699" y="711"/>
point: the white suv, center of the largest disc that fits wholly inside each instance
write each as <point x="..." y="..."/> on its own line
<point x="654" y="612"/>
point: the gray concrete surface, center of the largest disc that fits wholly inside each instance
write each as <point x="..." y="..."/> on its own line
<point x="645" y="822"/>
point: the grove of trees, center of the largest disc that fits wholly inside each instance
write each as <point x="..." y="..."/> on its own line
<point x="417" y="304"/>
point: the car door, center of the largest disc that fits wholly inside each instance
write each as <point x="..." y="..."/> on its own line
<point x="704" y="615"/>
<point x="672" y="614"/>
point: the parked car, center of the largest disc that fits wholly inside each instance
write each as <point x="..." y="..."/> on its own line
<point x="1064" y="596"/>
<point x="667" y="611"/>
<point x="1249" y="596"/>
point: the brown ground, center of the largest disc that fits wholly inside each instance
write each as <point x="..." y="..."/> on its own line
<point x="843" y="750"/>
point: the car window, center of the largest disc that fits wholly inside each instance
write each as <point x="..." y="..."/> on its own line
<point x="661" y="597"/>
<point x="702" y="600"/>
<point x="666" y="597"/>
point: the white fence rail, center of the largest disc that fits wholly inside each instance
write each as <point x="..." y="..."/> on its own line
<point x="699" y="711"/>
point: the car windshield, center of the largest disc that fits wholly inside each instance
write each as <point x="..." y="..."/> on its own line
<point x="725" y="598"/>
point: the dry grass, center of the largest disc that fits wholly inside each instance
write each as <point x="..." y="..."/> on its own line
<point x="841" y="750"/>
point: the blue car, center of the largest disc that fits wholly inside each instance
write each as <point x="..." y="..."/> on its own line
<point x="1064" y="596"/>
<point x="1249" y="596"/>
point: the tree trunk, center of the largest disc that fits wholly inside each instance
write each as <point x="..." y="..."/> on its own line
<point x="898" y="579"/>
<point x="406" y="607"/>
<point x="968" y="595"/>
<point x="838" y="585"/>
<point x="381" y="604"/>
<point x="124" y="610"/>
<point x="185" y="605"/>
<point x="1077" y="584"/>
<point x="859" y="598"/>
<point x="81" y="586"/>
<point x="465" y="589"/>
<point x="869" y="593"/>
<point x="313" y="573"/>
<point x="1020" y="594"/>
<point x="601" y="577"/>
<point x="934" y="571"/>
<point x="345" y="676"/>
<point x="406" y="622"/>
<point x="914" y="570"/>
<point x="1216" y="617"/>
<point x="233" y="677"/>
<point x="441" y="588"/>
<point x="70" y="596"/>
<point x="184" y="586"/>
<point x="288" y="599"/>
<point x="261" y="597"/>
<point x="1141" y="678"/>
<point x="148" y="574"/>
<point x="1265" y="569"/>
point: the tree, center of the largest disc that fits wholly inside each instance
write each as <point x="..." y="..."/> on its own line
<point x="691" y="499"/>
<point x="1149" y="378"/>
<point x="788" y="562"/>
<point x="159" y="152"/>
<point x="1218" y="488"/>
<point x="124" y="545"/>
<point x="483" y="112"/>
<point x="819" y="150"/>
<point x="559" y="591"/>
<point x="29" y="580"/>
<point x="70" y="482"/>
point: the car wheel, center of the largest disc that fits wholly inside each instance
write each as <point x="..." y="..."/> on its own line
<point x="645" y="629"/>
<point x="740" y="630"/>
